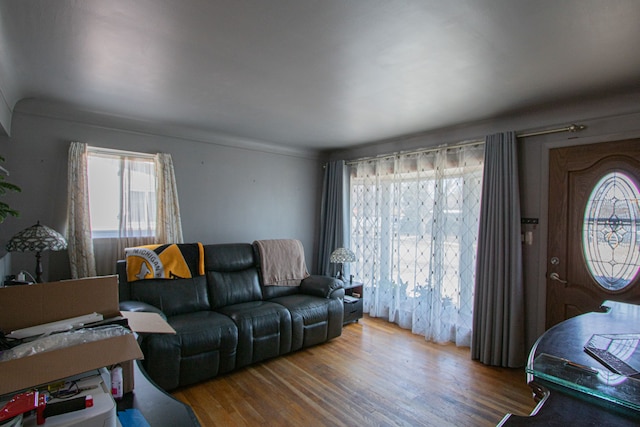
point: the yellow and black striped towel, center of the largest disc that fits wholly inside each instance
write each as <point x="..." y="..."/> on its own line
<point x="169" y="261"/>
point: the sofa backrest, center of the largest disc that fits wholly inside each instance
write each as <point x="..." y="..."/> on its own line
<point x="172" y="296"/>
<point x="232" y="274"/>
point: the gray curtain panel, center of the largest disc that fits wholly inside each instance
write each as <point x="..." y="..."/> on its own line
<point x="332" y="216"/>
<point x="498" y="316"/>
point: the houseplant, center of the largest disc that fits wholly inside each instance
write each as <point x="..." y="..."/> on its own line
<point x="5" y="187"/>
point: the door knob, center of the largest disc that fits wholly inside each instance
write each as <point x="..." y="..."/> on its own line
<point x="556" y="277"/>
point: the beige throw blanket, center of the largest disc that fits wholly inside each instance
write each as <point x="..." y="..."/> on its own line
<point x="282" y="262"/>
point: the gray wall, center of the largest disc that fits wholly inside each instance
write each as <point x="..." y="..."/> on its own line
<point x="226" y="194"/>
<point x="259" y="191"/>
<point x="608" y="118"/>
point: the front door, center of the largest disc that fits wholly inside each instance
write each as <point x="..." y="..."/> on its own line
<point x="594" y="228"/>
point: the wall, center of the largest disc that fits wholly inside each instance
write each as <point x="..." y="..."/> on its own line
<point x="226" y="194"/>
<point x="258" y="191"/>
<point x="608" y="118"/>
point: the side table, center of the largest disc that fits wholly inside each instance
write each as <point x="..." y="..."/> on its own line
<point x="352" y="302"/>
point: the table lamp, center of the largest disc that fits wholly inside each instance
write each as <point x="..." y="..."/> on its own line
<point x="37" y="238"/>
<point x="340" y="256"/>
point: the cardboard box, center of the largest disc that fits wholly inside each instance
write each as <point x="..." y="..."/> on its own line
<point x="30" y="305"/>
<point x="147" y="322"/>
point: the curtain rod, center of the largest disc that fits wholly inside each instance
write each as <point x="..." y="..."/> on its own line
<point x="570" y="128"/>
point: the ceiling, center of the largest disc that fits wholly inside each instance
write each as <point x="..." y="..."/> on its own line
<point x="318" y="74"/>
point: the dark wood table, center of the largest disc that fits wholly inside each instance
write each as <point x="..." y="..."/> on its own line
<point x="585" y="403"/>
<point x="353" y="309"/>
<point x="157" y="406"/>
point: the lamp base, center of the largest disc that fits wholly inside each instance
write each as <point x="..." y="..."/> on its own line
<point x="38" y="268"/>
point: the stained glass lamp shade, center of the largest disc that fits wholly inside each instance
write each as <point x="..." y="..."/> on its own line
<point x="37" y="238"/>
<point x="340" y="256"/>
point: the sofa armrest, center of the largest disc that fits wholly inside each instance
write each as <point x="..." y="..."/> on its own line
<point x="141" y="306"/>
<point x="322" y="286"/>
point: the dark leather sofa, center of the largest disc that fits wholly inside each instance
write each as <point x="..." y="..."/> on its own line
<point x="227" y="319"/>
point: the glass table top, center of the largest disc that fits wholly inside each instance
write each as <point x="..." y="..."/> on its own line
<point x="594" y="380"/>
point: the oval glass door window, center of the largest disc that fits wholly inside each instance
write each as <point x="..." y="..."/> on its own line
<point x="610" y="239"/>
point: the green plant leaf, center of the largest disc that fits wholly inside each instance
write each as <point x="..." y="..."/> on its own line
<point x="5" y="187"/>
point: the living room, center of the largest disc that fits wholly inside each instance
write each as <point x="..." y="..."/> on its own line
<point x="249" y="152"/>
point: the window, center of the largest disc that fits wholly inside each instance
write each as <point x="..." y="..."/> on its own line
<point x="414" y="229"/>
<point x="610" y="238"/>
<point x="118" y="199"/>
<point x="122" y="194"/>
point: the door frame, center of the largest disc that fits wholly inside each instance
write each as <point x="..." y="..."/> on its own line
<point x="547" y="143"/>
<point x="577" y="170"/>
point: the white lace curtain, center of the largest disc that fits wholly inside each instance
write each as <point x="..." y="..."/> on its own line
<point x="90" y="256"/>
<point x="414" y="229"/>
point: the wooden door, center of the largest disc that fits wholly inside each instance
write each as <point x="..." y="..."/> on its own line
<point x="581" y="274"/>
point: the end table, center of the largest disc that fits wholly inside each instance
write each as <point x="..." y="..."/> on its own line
<point x="352" y="302"/>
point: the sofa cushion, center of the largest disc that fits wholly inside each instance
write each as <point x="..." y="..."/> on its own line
<point x="232" y="274"/>
<point x="172" y="296"/>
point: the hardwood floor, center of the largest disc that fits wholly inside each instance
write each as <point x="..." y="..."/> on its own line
<point x="375" y="374"/>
